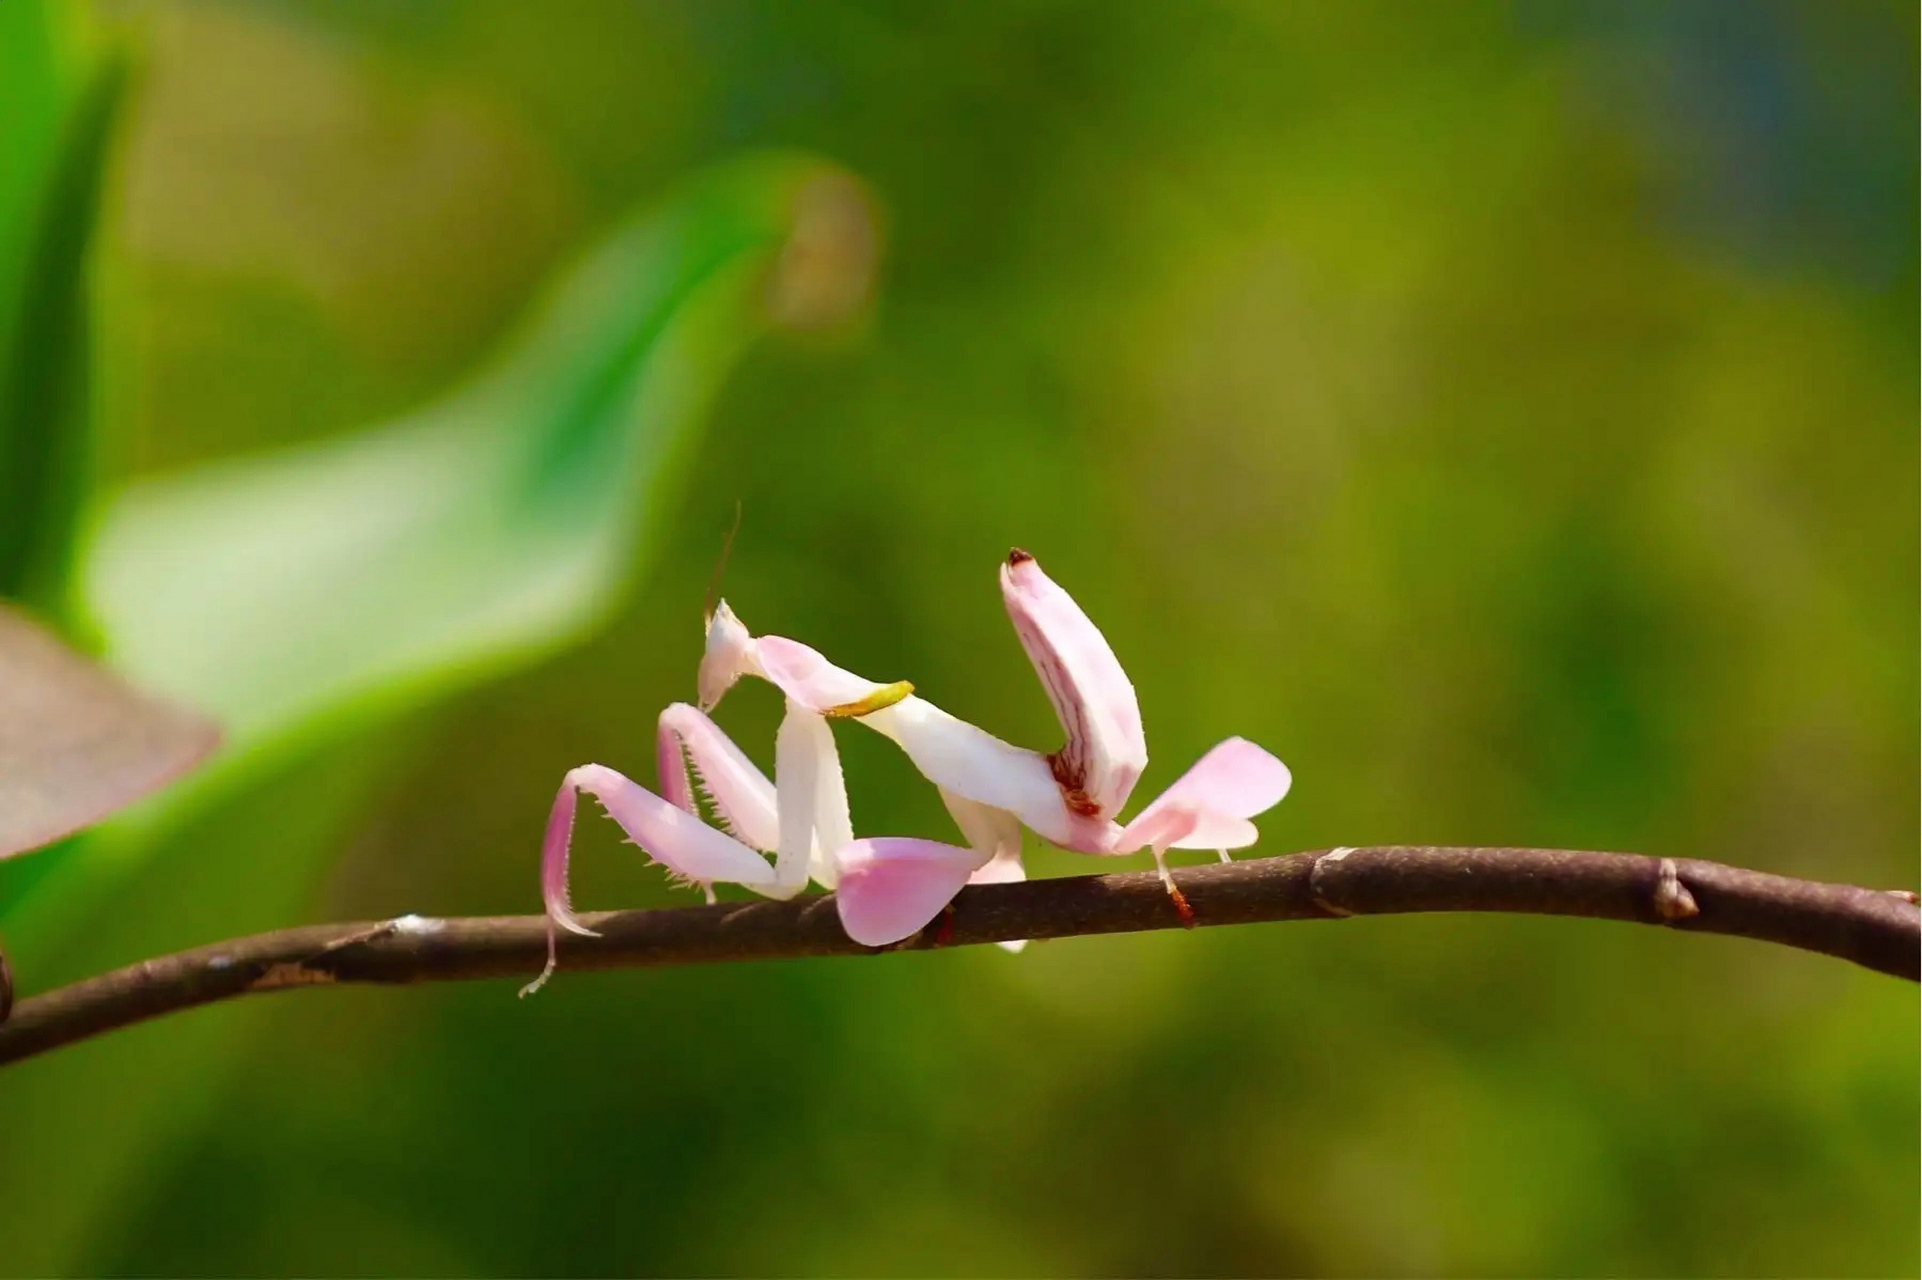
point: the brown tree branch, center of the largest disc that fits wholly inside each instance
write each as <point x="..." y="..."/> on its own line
<point x="1878" y="929"/>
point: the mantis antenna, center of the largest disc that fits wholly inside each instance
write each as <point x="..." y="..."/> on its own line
<point x="720" y="567"/>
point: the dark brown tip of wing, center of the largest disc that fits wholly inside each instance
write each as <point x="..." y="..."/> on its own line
<point x="1018" y="556"/>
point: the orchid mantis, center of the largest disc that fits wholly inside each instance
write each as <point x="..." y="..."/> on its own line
<point x="992" y="788"/>
<point x="888" y="888"/>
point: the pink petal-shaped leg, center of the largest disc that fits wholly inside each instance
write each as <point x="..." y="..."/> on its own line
<point x="891" y="886"/>
<point x="681" y="842"/>
<point x="1208" y="807"/>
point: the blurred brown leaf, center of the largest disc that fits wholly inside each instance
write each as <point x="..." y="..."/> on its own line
<point x="77" y="743"/>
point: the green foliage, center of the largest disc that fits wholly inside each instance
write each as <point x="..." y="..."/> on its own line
<point x="35" y="93"/>
<point x="54" y="134"/>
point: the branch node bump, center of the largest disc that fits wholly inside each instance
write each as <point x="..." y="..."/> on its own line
<point x="297" y="974"/>
<point x="1673" y="901"/>
<point x="1314" y="881"/>
<point x="414" y="924"/>
<point x="374" y="933"/>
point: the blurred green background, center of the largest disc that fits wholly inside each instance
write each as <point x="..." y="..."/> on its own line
<point x="1506" y="413"/>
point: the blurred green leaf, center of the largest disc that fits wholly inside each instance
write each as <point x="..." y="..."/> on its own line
<point x="35" y="87"/>
<point x="53" y="144"/>
<point x="483" y="529"/>
<point x="332" y="588"/>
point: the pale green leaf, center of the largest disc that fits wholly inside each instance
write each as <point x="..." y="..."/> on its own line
<point x="482" y="529"/>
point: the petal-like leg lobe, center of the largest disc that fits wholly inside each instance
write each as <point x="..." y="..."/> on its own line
<point x="891" y="886"/>
<point x="1208" y="807"/>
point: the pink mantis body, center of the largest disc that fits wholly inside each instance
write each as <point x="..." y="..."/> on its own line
<point x="1070" y="797"/>
<point x="888" y="888"/>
